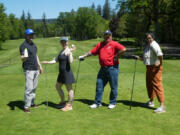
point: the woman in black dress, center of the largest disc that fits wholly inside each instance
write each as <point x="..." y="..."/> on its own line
<point x="65" y="76"/>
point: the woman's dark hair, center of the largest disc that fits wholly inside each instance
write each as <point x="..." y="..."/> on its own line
<point x="150" y="33"/>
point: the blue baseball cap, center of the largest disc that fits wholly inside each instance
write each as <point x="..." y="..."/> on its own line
<point x="29" y="32"/>
<point x="64" y="38"/>
<point x="108" y="32"/>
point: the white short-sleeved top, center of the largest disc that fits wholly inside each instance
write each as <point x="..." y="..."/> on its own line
<point x="151" y="53"/>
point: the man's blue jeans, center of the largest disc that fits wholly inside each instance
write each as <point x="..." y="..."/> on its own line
<point x="107" y="74"/>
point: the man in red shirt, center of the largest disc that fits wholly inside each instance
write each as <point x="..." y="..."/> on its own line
<point x="108" y="51"/>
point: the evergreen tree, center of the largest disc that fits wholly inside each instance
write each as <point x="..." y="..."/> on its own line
<point x="38" y="28"/>
<point x="65" y="23"/>
<point x="99" y="10"/>
<point x="23" y="19"/>
<point x="3" y="25"/>
<point x="61" y="24"/>
<point x="70" y="23"/>
<point x="123" y="8"/>
<point x="106" y="10"/>
<point x="44" y="26"/>
<point x="177" y="21"/>
<point x="159" y="16"/>
<point x="21" y="28"/>
<point x="13" y="27"/>
<point x="30" y="22"/>
<point x="93" y="6"/>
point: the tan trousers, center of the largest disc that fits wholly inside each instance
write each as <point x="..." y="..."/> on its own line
<point x="154" y="82"/>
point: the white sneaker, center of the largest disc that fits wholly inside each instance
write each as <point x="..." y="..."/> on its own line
<point x="160" y="110"/>
<point x="111" y="106"/>
<point x="95" y="106"/>
<point x="150" y="104"/>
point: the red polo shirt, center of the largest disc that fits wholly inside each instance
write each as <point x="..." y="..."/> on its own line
<point x="106" y="52"/>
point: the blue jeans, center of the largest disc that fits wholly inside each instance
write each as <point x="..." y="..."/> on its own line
<point x="107" y="74"/>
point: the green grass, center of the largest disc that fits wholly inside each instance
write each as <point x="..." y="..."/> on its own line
<point x="82" y="120"/>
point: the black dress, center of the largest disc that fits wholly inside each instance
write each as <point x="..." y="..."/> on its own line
<point x="65" y="73"/>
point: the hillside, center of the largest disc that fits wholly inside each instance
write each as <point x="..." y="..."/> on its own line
<point x="50" y="21"/>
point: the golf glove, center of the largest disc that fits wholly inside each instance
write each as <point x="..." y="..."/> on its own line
<point x="81" y="58"/>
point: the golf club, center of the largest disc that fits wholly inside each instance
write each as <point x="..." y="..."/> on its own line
<point x="133" y="83"/>
<point x="46" y="88"/>
<point x="77" y="74"/>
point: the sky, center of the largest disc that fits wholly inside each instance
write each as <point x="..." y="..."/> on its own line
<point x="50" y="7"/>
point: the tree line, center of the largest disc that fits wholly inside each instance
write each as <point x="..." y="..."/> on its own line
<point x="136" y="17"/>
<point x="131" y="18"/>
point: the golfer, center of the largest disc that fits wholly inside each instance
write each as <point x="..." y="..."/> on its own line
<point x="65" y="76"/>
<point x="108" y="51"/>
<point x="30" y="64"/>
<point x="153" y="59"/>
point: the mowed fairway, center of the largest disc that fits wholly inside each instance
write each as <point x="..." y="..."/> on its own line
<point x="82" y="120"/>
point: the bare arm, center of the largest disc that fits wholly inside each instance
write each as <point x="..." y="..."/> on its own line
<point x="116" y="56"/>
<point x="39" y="64"/>
<point x="85" y="55"/>
<point x="161" y="60"/>
<point x="138" y="57"/>
<point x="49" y="62"/>
<point x="121" y="52"/>
<point x="70" y="57"/>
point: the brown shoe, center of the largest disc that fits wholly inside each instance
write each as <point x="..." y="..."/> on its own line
<point x="61" y="105"/>
<point x="68" y="107"/>
<point x="26" y="110"/>
<point x="35" y="106"/>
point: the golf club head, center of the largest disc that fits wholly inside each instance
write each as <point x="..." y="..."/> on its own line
<point x="81" y="58"/>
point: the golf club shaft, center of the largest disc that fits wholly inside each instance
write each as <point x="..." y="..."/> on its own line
<point x="46" y="88"/>
<point x="133" y="83"/>
<point x="77" y="74"/>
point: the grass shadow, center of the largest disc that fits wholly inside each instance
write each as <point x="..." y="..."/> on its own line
<point x="134" y="104"/>
<point x="13" y="104"/>
<point x="4" y="65"/>
<point x="2" y="49"/>
<point x="50" y="104"/>
<point x="89" y="101"/>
